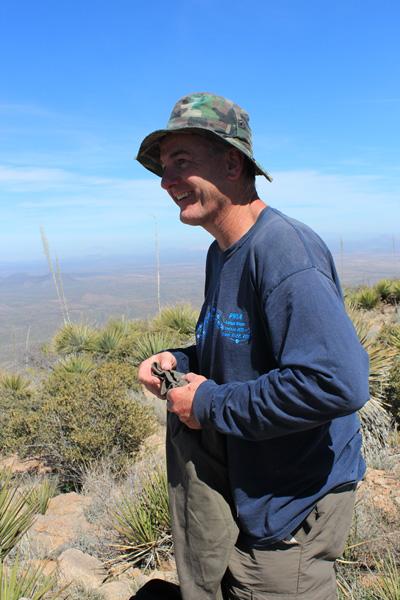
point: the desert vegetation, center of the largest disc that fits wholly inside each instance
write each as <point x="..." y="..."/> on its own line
<point x="79" y="411"/>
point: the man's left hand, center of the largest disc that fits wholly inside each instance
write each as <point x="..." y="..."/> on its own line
<point x="180" y="400"/>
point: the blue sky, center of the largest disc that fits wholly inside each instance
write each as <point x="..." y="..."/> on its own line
<point x="84" y="81"/>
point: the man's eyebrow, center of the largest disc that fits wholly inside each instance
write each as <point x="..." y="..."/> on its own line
<point x="175" y="153"/>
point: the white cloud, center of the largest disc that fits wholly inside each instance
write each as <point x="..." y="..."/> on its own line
<point x="335" y="203"/>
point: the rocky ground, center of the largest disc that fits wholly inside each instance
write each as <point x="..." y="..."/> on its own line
<point x="73" y="537"/>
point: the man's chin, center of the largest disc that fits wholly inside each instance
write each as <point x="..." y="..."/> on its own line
<point x="189" y="219"/>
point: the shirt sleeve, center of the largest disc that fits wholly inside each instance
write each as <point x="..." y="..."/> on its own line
<point x="322" y="368"/>
<point x="186" y="358"/>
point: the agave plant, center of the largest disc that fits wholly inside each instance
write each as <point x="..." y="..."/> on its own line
<point x="373" y="416"/>
<point x="74" y="338"/>
<point x="144" y="524"/>
<point x="181" y="317"/>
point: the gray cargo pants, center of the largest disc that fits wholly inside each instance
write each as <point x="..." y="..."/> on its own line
<point x="203" y="527"/>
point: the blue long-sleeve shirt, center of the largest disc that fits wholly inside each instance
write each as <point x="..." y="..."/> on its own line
<point x="286" y="374"/>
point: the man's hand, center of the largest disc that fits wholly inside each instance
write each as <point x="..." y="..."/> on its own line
<point x="145" y="375"/>
<point x="180" y="400"/>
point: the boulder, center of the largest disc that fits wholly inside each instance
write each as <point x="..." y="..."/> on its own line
<point x="64" y="520"/>
<point x="76" y="566"/>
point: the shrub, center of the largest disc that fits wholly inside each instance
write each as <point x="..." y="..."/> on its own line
<point x="20" y="417"/>
<point x="88" y="417"/>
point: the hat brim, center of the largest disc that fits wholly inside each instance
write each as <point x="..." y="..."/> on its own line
<point x="149" y="151"/>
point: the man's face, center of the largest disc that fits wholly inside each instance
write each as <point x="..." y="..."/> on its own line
<point x="194" y="178"/>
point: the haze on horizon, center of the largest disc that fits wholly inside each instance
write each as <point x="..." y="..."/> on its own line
<point x="84" y="82"/>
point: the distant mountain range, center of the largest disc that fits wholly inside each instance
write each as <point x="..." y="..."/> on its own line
<point x="99" y="287"/>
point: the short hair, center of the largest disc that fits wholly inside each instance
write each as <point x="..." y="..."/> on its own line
<point x="216" y="147"/>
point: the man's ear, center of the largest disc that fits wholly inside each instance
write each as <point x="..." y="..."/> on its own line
<point x="234" y="163"/>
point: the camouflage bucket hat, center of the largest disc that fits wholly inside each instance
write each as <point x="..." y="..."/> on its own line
<point x="212" y="115"/>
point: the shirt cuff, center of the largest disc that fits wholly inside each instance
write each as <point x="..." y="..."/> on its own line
<point x="203" y="402"/>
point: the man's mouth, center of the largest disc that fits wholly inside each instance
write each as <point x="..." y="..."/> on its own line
<point x="180" y="197"/>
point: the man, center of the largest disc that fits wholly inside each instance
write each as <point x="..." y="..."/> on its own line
<point x="275" y="378"/>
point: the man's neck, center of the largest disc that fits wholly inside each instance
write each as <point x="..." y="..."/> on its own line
<point x="237" y="221"/>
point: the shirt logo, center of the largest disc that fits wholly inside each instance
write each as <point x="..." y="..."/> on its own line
<point x="233" y="327"/>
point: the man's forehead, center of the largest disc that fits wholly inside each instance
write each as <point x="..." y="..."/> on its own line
<point x="187" y="143"/>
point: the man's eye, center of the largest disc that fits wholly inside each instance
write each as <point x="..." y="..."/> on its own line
<point x="181" y="161"/>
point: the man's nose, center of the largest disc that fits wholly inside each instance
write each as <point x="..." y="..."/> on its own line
<point x="169" y="178"/>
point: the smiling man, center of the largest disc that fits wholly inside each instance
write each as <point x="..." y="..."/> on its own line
<point x="263" y="443"/>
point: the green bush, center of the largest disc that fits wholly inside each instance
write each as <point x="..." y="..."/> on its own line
<point x="85" y="418"/>
<point x="20" y="417"/>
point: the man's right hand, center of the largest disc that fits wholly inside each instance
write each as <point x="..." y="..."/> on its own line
<point x="145" y="375"/>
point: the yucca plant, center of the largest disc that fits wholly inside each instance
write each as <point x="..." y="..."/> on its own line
<point x="388" y="585"/>
<point x="14" y="382"/>
<point x="108" y="341"/>
<point x="367" y="298"/>
<point x="123" y="326"/>
<point x="373" y="416"/>
<point x="74" y="338"/>
<point x="181" y="317"/>
<point x="26" y="581"/>
<point x="152" y="343"/>
<point x="42" y="493"/>
<point x="384" y="288"/>
<point x="16" y="514"/>
<point x="144" y="524"/>
<point x="75" y="363"/>
<point x="395" y="292"/>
